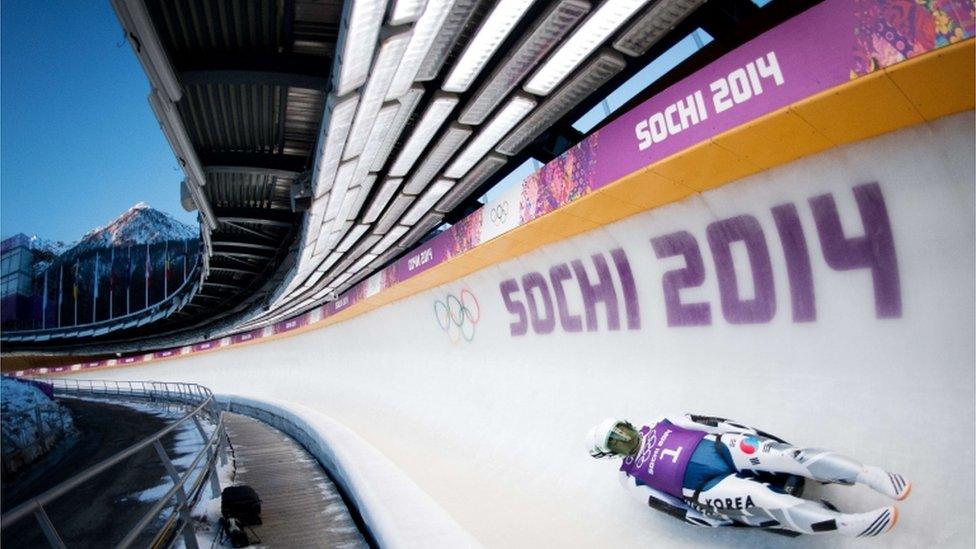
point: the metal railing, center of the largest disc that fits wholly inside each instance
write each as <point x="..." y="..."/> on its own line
<point x="201" y="406"/>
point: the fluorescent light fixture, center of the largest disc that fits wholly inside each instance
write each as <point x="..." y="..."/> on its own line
<point x="598" y="27"/>
<point x="340" y="118"/>
<point x="338" y="195"/>
<point x="426" y="128"/>
<point x="405" y="11"/>
<point x="361" y="26"/>
<point x="361" y="263"/>
<point x="407" y="105"/>
<point x="341" y="279"/>
<point x="351" y="238"/>
<point x="478" y="175"/>
<point x="539" y="41"/>
<point x="364" y="188"/>
<point x="589" y="79"/>
<point x="382" y="125"/>
<point x="365" y="245"/>
<point x="506" y="119"/>
<point x="446" y="147"/>
<point x="479" y="50"/>
<point x="424" y="32"/>
<point x="333" y="258"/>
<point x="427" y="201"/>
<point x="149" y="50"/>
<point x="381" y="199"/>
<point x="456" y="21"/>
<point x="391" y="237"/>
<point x="393" y="213"/>
<point x="341" y="228"/>
<point x="372" y="96"/>
<point x="345" y="210"/>
<point x="653" y="25"/>
<point x="427" y="224"/>
<point x="199" y="199"/>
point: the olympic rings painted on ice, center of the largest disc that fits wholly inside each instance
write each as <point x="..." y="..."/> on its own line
<point x="458" y="315"/>
<point x="499" y="213"/>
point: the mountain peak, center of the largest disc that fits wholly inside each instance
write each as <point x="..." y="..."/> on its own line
<point x="140" y="224"/>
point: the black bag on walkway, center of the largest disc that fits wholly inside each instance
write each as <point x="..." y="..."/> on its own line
<point x="241" y="503"/>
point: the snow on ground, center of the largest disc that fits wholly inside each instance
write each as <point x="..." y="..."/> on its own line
<point x="24" y="438"/>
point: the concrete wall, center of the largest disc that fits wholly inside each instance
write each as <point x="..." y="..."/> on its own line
<point x="782" y="314"/>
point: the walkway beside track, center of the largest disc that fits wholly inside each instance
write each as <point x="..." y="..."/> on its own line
<point x="301" y="507"/>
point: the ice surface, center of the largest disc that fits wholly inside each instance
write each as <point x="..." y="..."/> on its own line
<point x="493" y="429"/>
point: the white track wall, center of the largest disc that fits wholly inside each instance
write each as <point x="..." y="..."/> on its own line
<point x="493" y="428"/>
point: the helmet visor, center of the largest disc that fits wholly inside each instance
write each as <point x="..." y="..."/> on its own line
<point x="624" y="439"/>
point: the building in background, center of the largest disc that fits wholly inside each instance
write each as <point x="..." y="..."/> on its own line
<point x="16" y="267"/>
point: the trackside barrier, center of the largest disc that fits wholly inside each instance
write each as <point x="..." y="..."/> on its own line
<point x="396" y="512"/>
<point x="201" y="403"/>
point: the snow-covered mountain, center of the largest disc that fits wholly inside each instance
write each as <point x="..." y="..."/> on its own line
<point x="52" y="247"/>
<point x="140" y="224"/>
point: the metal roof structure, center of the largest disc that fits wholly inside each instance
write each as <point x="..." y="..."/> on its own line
<point x="322" y="139"/>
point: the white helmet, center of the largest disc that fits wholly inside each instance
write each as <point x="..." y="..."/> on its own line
<point x="598" y="438"/>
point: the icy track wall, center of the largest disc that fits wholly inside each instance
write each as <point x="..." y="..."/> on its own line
<point x="829" y="301"/>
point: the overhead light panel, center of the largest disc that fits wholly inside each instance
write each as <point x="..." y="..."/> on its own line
<point x="393" y="213"/>
<point x="653" y="25"/>
<point x="406" y="11"/>
<point x="390" y="239"/>
<point x="478" y="175"/>
<point x="426" y="128"/>
<point x="362" y="263"/>
<point x="456" y="21"/>
<point x="590" y="78"/>
<point x="339" y="190"/>
<point x="539" y="41"/>
<point x="340" y="119"/>
<point x="427" y="224"/>
<point x="361" y="26"/>
<point x="364" y="188"/>
<point x="503" y="122"/>
<point x="594" y="31"/>
<point x="424" y="32"/>
<point x="479" y="50"/>
<point x="426" y="201"/>
<point x="447" y="146"/>
<point x="374" y="93"/>
<point x="384" y="118"/>
<point x="407" y="105"/>
<point x="381" y="199"/>
<point x="351" y="238"/>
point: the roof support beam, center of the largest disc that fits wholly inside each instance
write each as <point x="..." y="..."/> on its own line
<point x="286" y="79"/>
<point x="252" y="170"/>
<point x="297" y="64"/>
<point x="254" y="161"/>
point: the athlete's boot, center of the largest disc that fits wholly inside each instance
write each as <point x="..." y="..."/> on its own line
<point x="892" y="485"/>
<point x="756" y="504"/>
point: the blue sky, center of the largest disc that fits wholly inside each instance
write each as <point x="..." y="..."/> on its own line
<point x="78" y="142"/>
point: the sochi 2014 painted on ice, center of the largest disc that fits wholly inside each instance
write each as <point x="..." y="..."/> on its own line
<point x="538" y="301"/>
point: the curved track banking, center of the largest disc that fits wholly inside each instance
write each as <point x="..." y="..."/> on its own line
<point x="828" y="300"/>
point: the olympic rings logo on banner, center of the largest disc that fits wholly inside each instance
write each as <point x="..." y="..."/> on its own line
<point x="499" y="213"/>
<point x="458" y="315"/>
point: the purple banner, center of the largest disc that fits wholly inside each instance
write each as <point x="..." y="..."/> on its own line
<point x="291" y="324"/>
<point x="247" y="336"/>
<point x="167" y="353"/>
